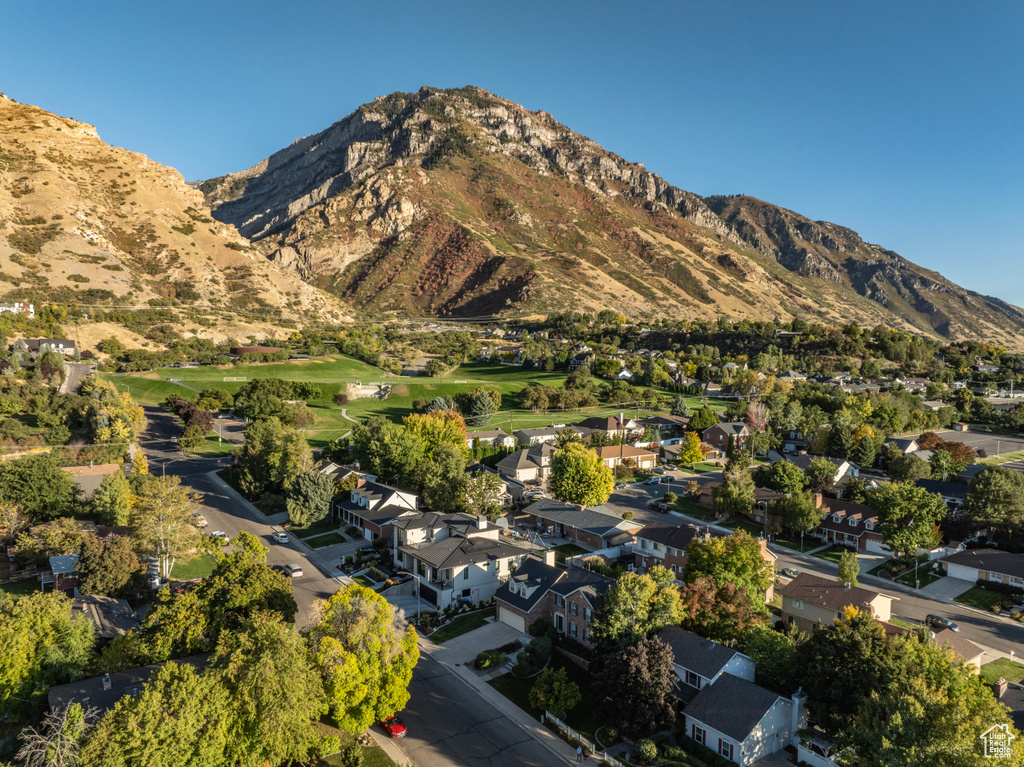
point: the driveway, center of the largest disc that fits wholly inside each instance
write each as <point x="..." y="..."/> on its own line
<point x="74" y="372"/>
<point x="946" y="588"/>
<point x="464" y="649"/>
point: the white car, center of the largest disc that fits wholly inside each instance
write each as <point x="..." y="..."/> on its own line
<point x="280" y="537"/>
<point x="293" y="571"/>
<point x="198" y="520"/>
<point x="221" y="535"/>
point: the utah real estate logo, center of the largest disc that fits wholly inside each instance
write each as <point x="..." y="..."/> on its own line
<point x="997" y="741"/>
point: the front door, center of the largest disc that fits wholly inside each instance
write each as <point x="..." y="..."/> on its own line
<point x="560" y="623"/>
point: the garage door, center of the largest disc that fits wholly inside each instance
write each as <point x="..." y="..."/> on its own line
<point x="511" y="619"/>
<point x="877" y="547"/>
<point x="961" y="572"/>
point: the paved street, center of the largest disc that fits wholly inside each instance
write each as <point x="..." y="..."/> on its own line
<point x="74" y="372"/>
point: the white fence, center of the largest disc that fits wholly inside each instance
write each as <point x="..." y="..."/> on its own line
<point x="571" y="734"/>
<point x="234" y="378"/>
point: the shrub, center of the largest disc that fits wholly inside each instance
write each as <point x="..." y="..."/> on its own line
<point x="646" y="751"/>
<point x="610" y="735"/>
<point x="340" y="399"/>
<point x="491" y="659"/>
<point x="538" y="628"/>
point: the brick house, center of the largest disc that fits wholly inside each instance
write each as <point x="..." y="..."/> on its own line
<point x="613" y="455"/>
<point x="847" y="523"/>
<point x="809" y="601"/>
<point x="566" y="599"/>
<point x="63" y="574"/>
<point x="595" y="528"/>
<point x="718" y="435"/>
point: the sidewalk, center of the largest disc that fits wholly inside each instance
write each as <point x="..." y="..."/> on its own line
<point x="510" y="710"/>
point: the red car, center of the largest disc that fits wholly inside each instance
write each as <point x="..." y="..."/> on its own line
<point x="393" y="726"/>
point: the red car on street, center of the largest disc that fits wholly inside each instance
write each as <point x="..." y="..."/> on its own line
<point x="393" y="726"/>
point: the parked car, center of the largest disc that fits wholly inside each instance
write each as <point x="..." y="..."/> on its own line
<point x="222" y="416"/>
<point x="279" y="569"/>
<point x="939" y="622"/>
<point x="789" y="572"/>
<point x="393" y="726"/>
<point x="366" y="550"/>
<point x="221" y="535"/>
<point x="199" y="520"/>
<point x="666" y="479"/>
<point x="664" y="508"/>
<point x="652" y="481"/>
<point x="293" y="571"/>
<point x="280" y="537"/>
<point x="660" y="470"/>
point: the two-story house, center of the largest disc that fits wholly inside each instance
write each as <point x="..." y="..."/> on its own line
<point x="844" y="468"/>
<point x="531" y="464"/>
<point x="373" y="507"/>
<point x="718" y="435"/>
<point x="454" y="557"/>
<point x="847" y="523"/>
<point x="613" y="426"/>
<point x="596" y="528"/>
<point x="809" y="601"/>
<point x="564" y="598"/>
<point x="699" y="662"/>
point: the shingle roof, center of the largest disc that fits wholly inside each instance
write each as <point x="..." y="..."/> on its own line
<point x="579" y="579"/>
<point x="378" y="515"/>
<point x="825" y="593"/>
<point x="433" y="520"/>
<point x="536" y="575"/>
<point x="624" y="451"/>
<point x="591" y="520"/>
<point x="993" y="560"/>
<point x="960" y="645"/>
<point x="946" y="489"/>
<point x="731" y="705"/>
<point x="676" y="537"/>
<point x="1013" y="699"/>
<point x="696" y="653"/>
<point x="458" y="551"/>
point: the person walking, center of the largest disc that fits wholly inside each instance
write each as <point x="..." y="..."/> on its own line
<point x="579" y="753"/>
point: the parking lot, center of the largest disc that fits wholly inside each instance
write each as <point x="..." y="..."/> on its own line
<point x="992" y="444"/>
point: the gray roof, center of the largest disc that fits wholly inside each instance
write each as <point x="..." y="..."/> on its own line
<point x="948" y="489"/>
<point x="380" y="514"/>
<point x="826" y="593"/>
<point x="731" y="705"/>
<point x="63" y="565"/>
<point x="1013" y="699"/>
<point x="735" y="428"/>
<point x="696" y="653"/>
<point x="592" y="520"/>
<point x="112" y="617"/>
<point x="488" y="434"/>
<point x="579" y="579"/>
<point x="993" y="560"/>
<point x="121" y="683"/>
<point x="457" y="551"/>
<point x="527" y="458"/>
<point x="970" y="472"/>
<point x="434" y="521"/>
<point x="535" y="574"/>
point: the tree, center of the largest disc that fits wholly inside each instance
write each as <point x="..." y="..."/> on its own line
<point x="309" y="498"/>
<point x="636" y="686"/>
<point x="274" y="691"/>
<point x="138" y="729"/>
<point x="679" y="407"/>
<point x="703" y="419"/>
<point x="996" y="499"/>
<point x="849" y="568"/>
<point x="272" y="457"/>
<point x="192" y="439"/>
<point x="908" y="514"/>
<point x="690" y="452"/>
<point x="798" y="512"/>
<point x="43" y="646"/>
<point x="214" y="399"/>
<point x="555" y="692"/>
<point x="441" y="479"/>
<point x="908" y="468"/>
<point x="774" y="655"/>
<point x="140" y="464"/>
<point x="12" y="522"/>
<point x="106" y="565"/>
<point x="735" y="495"/>
<point x="864" y="453"/>
<point x="637" y="605"/>
<point x="113" y="500"/>
<point x="781" y="476"/>
<point x="943" y="466"/>
<point x="385" y="449"/>
<point x="821" y="475"/>
<point x="736" y="559"/>
<point x="483" y="495"/>
<point x="436" y="428"/>
<point x="38" y="485"/>
<point x="365" y="653"/>
<point x="162" y="521"/>
<point x="720" y="613"/>
<point x="58" y="741"/>
<point x="481" y="410"/>
<point x="578" y="476"/>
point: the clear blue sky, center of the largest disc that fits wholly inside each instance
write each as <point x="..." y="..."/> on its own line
<point x="903" y="121"/>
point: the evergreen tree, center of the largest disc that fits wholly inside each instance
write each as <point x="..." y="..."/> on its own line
<point x="863" y="453"/>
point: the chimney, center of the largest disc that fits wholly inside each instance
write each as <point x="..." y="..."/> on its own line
<point x="550" y="561"/>
<point x="799" y="720"/>
<point x="1000" y="687"/>
<point x="481" y="522"/>
<point x="621" y="420"/>
<point x="818" y="498"/>
<point x="106" y="681"/>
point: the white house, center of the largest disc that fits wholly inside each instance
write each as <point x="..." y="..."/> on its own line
<point x="742" y="721"/>
<point x="699" y="662"/>
<point x="372" y="507"/>
<point x="490" y="438"/>
<point x="454" y="557"/>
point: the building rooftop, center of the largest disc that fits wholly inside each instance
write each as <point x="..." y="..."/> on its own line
<point x="731" y="705"/>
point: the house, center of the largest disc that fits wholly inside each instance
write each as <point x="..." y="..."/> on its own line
<point x="905" y="446"/>
<point x="453" y="557"/>
<point x="596" y="527"/>
<point x="762" y="498"/>
<point x="959" y="646"/>
<point x="614" y="455"/>
<point x="665" y="545"/>
<point x="62" y="574"/>
<point x="540" y="434"/>
<point x="111" y="617"/>
<point x="791" y="375"/>
<point x="564" y="598"/>
<point x="373" y="506"/>
<point x="62" y="346"/>
<point x="667" y="425"/>
<point x="844" y="468"/>
<point x="968" y="473"/>
<point x="103" y="692"/>
<point x="848" y="523"/>
<point x="953" y="493"/>
<point x="986" y="565"/>
<point x="699" y="662"/>
<point x="742" y="721"/>
<point x="19" y="308"/>
<point x="583" y="359"/>
<point x="809" y="601"/>
<point x="624" y="375"/>
<point x="718" y="435"/>
<point x="985" y="368"/>
<point x="504" y="494"/>
<point x="528" y="465"/>
<point x="613" y="426"/>
<point x="933" y="405"/>
<point x="1012" y="696"/>
<point x="490" y="438"/>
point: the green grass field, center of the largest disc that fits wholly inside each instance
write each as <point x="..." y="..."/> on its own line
<point x="1003" y="668"/>
<point x="980" y="598"/>
<point x="199" y="567"/>
<point x="22" y="588"/>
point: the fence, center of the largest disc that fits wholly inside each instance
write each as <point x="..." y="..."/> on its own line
<point x="234" y="378"/>
<point x="571" y="734"/>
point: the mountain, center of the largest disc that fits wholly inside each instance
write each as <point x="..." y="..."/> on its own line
<point x="89" y="223"/>
<point x="460" y="203"/>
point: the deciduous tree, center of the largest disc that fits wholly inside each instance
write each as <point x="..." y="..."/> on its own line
<point x="637" y="605"/>
<point x="38" y="485"/>
<point x="555" y="692"/>
<point x="690" y="451"/>
<point x="722" y="614"/>
<point x="735" y="559"/>
<point x="996" y="499"/>
<point x="483" y="494"/>
<point x="161" y="521"/>
<point x="635" y="688"/>
<point x="908" y="514"/>
<point x="113" y="500"/>
<point x="578" y="476"/>
<point x="58" y="741"/>
<point x="849" y="568"/>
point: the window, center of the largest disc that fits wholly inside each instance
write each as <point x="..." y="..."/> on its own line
<point x="465" y="574"/>
<point x="692" y="679"/>
<point x="586" y="635"/>
<point x="698" y="734"/>
<point x="574" y="609"/>
<point x="588" y="615"/>
<point x="572" y="630"/>
<point x="793" y="620"/>
<point x="657" y="547"/>
<point x="559" y="601"/>
<point x="725" y="748"/>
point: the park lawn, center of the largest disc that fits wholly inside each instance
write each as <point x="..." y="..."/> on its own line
<point x="461" y="625"/>
<point x="197" y="567"/>
<point x="147" y="391"/>
<point x="983" y="599"/>
<point x="581" y="718"/>
<point x="567" y="550"/>
<point x="995" y="460"/>
<point x="330" y="539"/>
<point x="18" y="589"/>
<point x="1002" y="668"/>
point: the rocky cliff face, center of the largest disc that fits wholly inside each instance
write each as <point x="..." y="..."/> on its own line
<point x="458" y="202"/>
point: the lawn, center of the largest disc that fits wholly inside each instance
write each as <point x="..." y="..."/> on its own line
<point x="742" y="524"/>
<point x="198" y="567"/>
<point x="461" y="625"/>
<point x="703" y="467"/>
<point x="688" y="507"/>
<point x="1003" y="668"/>
<point x="831" y="554"/>
<point x="924" y="575"/>
<point x="980" y="598"/>
<point x="796" y="544"/>
<point x="567" y="550"/>
<point x="320" y="528"/>
<point x="362" y="580"/>
<point x="214" y="447"/>
<point x="20" y="588"/>
<point x="580" y="718"/>
<point x="904" y="624"/>
<point x="373" y="756"/>
<point x="330" y="539"/>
